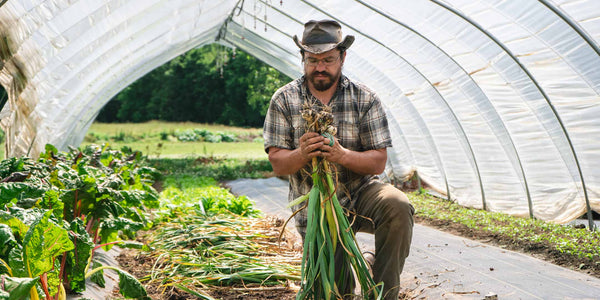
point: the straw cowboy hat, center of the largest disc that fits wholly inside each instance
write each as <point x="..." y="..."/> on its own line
<point x="322" y="36"/>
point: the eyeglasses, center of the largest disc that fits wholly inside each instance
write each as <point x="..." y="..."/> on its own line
<point x="327" y="61"/>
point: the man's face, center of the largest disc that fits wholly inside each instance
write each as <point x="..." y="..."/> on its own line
<point x="323" y="70"/>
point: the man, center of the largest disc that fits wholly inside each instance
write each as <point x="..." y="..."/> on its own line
<point x="358" y="151"/>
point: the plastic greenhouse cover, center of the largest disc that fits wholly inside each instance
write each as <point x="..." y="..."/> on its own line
<point x="494" y="103"/>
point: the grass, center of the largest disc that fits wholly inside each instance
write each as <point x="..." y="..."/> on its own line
<point x="154" y="128"/>
<point x="174" y="149"/>
<point x="156" y="139"/>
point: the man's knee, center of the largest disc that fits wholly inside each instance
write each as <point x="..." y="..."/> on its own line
<point x="398" y="205"/>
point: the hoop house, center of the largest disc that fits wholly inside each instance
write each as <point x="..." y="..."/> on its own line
<point x="494" y="103"/>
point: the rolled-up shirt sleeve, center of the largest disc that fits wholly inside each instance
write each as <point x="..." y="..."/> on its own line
<point x="277" y="129"/>
<point x="373" y="129"/>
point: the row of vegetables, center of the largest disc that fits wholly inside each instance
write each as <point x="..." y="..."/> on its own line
<point x="58" y="210"/>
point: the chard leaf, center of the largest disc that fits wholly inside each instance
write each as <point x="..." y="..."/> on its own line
<point x="26" y="216"/>
<point x="13" y="164"/>
<point x="27" y="202"/>
<point x="112" y="181"/>
<point x="108" y="209"/>
<point x="4" y="268"/>
<point x="52" y="202"/>
<point x="107" y="236"/>
<point x="111" y="227"/>
<point x="17" y="226"/>
<point x="17" y="288"/>
<point x="42" y="243"/>
<point x="133" y="197"/>
<point x="7" y="240"/>
<point x="15" y="261"/>
<point x="134" y="245"/>
<point x="130" y="287"/>
<point x="151" y="196"/>
<point x="98" y="277"/>
<point x="53" y="278"/>
<point x="50" y="152"/>
<point x="77" y="260"/>
<point x="14" y="191"/>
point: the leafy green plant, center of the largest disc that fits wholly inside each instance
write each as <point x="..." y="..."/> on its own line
<point x="200" y="194"/>
<point x="59" y="209"/>
<point x="202" y="132"/>
<point x="187" y="136"/>
<point x="227" y="137"/>
<point x="213" y="138"/>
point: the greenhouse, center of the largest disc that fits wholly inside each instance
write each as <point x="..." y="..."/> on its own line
<point x="492" y="104"/>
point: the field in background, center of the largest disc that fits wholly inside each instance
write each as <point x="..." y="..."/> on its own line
<point x="156" y="127"/>
<point x="157" y="139"/>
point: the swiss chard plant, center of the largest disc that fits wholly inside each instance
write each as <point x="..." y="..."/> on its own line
<point x="56" y="211"/>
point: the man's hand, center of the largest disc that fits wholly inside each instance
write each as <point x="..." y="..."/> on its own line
<point x="311" y="144"/>
<point x="285" y="161"/>
<point x="333" y="153"/>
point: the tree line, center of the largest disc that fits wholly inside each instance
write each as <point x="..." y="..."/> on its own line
<point x="212" y="84"/>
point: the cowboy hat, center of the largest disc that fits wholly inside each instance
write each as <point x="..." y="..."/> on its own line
<point x="322" y="36"/>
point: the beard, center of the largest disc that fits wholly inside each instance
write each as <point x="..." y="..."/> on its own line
<point x="322" y="83"/>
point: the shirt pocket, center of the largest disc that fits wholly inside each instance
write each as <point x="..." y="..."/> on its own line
<point x="348" y="134"/>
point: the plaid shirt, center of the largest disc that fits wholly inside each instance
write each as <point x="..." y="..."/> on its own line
<point x="361" y="125"/>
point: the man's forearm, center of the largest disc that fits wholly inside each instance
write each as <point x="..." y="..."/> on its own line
<point x="366" y="162"/>
<point x="286" y="162"/>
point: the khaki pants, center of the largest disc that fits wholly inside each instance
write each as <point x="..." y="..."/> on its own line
<point x="383" y="210"/>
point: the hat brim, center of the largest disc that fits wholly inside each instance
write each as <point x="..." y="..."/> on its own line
<point x="322" y="48"/>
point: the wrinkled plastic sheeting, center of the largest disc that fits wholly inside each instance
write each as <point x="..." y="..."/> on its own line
<point x="493" y="103"/>
<point x="65" y="59"/>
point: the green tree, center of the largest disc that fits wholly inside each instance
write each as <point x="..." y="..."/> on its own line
<point x="210" y="84"/>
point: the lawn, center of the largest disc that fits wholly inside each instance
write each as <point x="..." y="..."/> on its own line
<point x="171" y="139"/>
<point x="158" y="139"/>
<point x="174" y="149"/>
<point x="156" y="127"/>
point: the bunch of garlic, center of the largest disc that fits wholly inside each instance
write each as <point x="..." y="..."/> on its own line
<point x="318" y="119"/>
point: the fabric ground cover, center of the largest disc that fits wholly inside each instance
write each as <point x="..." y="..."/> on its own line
<point x="564" y="245"/>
